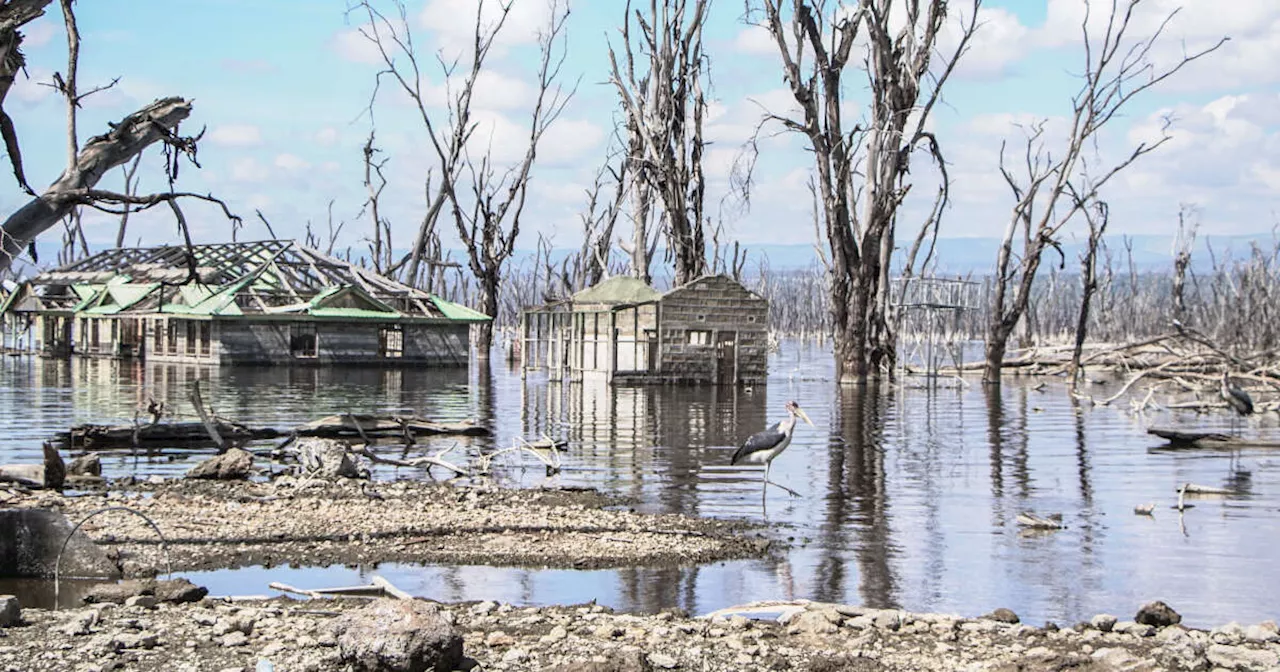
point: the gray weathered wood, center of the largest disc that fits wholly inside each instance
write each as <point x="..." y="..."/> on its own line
<point x="99" y="155"/>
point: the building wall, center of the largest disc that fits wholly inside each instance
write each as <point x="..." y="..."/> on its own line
<point x="712" y="307"/>
<point x="444" y="344"/>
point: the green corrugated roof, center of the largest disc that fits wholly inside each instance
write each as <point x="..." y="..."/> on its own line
<point x="457" y="311"/>
<point x="618" y="289"/>
<point x="357" y="313"/>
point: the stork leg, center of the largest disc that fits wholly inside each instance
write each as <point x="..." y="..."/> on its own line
<point x="768" y="482"/>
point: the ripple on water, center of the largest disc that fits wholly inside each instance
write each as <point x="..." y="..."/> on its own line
<point x="909" y="495"/>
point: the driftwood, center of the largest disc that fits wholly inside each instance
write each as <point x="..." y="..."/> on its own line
<point x="1178" y="438"/>
<point x="1035" y="522"/>
<point x="346" y="426"/>
<point x="379" y="587"/>
<point x="51" y="474"/>
<point x="371" y="427"/>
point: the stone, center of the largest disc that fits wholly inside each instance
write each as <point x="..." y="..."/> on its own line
<point x="1241" y="658"/>
<point x="328" y="458"/>
<point x="169" y="590"/>
<point x="663" y="661"/>
<point x="1121" y="660"/>
<point x="498" y="639"/>
<point x="142" y="601"/>
<point x="1103" y="622"/>
<point x="1261" y="634"/>
<point x="81" y="624"/>
<point x="33" y="539"/>
<point x="1157" y="614"/>
<point x="85" y="465"/>
<point x="398" y="636"/>
<point x="812" y="622"/>
<point x="614" y="661"/>
<point x="235" y="464"/>
<point x="10" y="611"/>
<point x="1003" y="615"/>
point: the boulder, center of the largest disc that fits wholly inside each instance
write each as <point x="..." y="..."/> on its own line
<point x="614" y="661"/>
<point x="234" y="464"/>
<point x="328" y="458"/>
<point x="10" y="611"/>
<point x="398" y="636"/>
<point x="1157" y="614"/>
<point x="32" y="540"/>
<point x="1002" y="615"/>
<point x="85" y="465"/>
<point x="172" y="590"/>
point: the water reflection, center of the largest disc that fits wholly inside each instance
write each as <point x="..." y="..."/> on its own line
<point x="909" y="494"/>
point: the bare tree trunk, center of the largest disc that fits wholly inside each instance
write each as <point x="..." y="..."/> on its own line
<point x="815" y="44"/>
<point x="490" y="225"/>
<point x="665" y="107"/>
<point x="131" y="189"/>
<point x="1058" y="185"/>
<point x="14" y="15"/>
<point x="124" y="141"/>
<point x="1089" y="284"/>
<point x="1184" y="244"/>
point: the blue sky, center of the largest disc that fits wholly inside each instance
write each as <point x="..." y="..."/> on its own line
<point x="282" y="88"/>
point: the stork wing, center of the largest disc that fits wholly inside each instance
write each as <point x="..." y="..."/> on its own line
<point x="758" y="442"/>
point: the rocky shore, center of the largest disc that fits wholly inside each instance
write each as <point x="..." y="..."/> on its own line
<point x="283" y="634"/>
<point x="143" y="626"/>
<point x="221" y="524"/>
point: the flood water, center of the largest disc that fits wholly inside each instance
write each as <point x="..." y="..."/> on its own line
<point x="909" y="494"/>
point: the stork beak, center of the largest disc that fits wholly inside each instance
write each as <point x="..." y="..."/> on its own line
<point x="804" y="416"/>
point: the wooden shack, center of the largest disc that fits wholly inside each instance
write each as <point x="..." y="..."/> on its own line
<point x="711" y="330"/>
<point x="265" y="302"/>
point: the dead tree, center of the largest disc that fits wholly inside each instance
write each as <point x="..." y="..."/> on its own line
<point x="590" y="264"/>
<point x="1053" y="187"/>
<point x="1183" y="246"/>
<point x="393" y="39"/>
<point x="897" y="41"/>
<point x="488" y="220"/>
<point x="665" y="106"/>
<point x="1097" y="218"/>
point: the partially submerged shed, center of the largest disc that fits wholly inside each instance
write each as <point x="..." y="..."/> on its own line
<point x="711" y="330"/>
<point x="273" y="301"/>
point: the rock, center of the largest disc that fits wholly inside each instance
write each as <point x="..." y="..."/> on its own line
<point x="511" y="656"/>
<point x="85" y="465"/>
<point x="236" y="638"/>
<point x="663" y="661"/>
<point x="80" y="624"/>
<point x="1261" y="633"/>
<point x="398" y="636"/>
<point x="1003" y="615"/>
<point x="1103" y="622"/>
<point x="171" y="590"/>
<point x="1157" y="614"/>
<point x="10" y="611"/>
<point x="178" y="590"/>
<point x="1240" y="658"/>
<point x="614" y="661"/>
<point x="142" y="601"/>
<point x="812" y="622"/>
<point x="328" y="458"/>
<point x="498" y="639"/>
<point x="1121" y="660"/>
<point x="1230" y="633"/>
<point x="234" y="464"/>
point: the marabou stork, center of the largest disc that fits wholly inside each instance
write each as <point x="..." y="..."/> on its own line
<point x="1236" y="398"/>
<point x="762" y="447"/>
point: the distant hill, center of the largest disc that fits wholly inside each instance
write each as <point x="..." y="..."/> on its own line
<point x="953" y="256"/>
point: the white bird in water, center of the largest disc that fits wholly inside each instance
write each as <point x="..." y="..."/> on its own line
<point x="762" y="447"/>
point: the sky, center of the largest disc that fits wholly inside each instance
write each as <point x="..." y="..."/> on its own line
<point x="282" y="90"/>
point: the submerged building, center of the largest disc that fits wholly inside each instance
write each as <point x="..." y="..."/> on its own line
<point x="710" y="330"/>
<point x="268" y="302"/>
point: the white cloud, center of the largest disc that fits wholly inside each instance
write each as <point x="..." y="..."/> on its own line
<point x="756" y="39"/>
<point x="38" y="33"/>
<point x="291" y="162"/>
<point x="352" y="46"/>
<point x="454" y="22"/>
<point x="327" y="137"/>
<point x="1246" y="60"/>
<point x="236" y="135"/>
<point x="249" y="169"/>
<point x="999" y="41"/>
